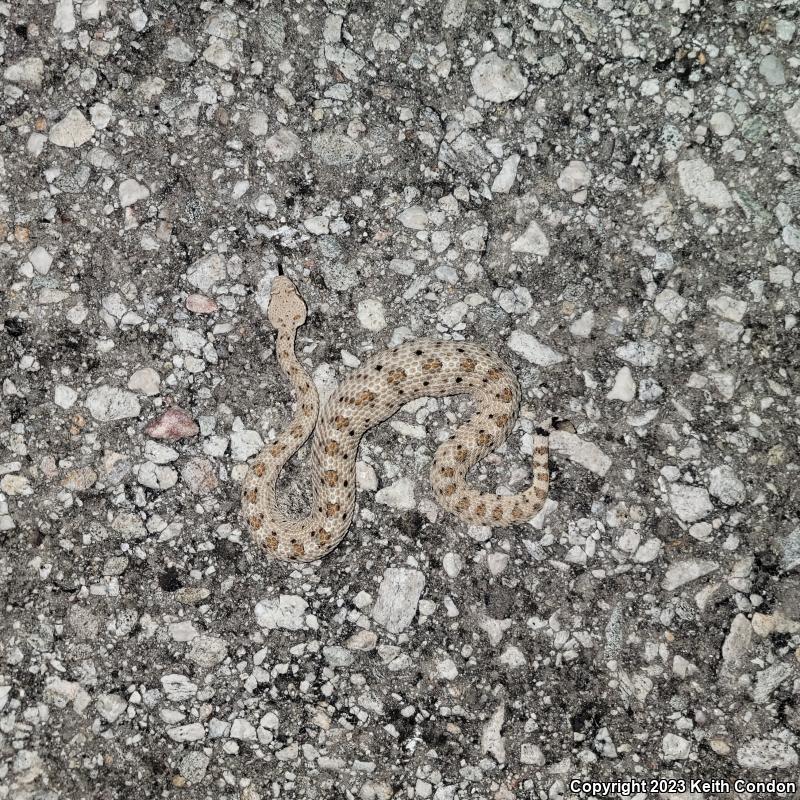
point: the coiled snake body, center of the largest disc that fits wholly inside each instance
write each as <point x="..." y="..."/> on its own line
<point x="365" y="398"/>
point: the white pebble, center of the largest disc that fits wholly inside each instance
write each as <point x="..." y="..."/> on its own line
<point x="531" y="349"/>
<point x="533" y="241"/>
<point x="65" y="396"/>
<point x="283" y="145"/>
<point x="107" y="403"/>
<point x="453" y="564"/>
<point x="131" y="191"/>
<point x="413" y="217"/>
<point x="371" y="315"/>
<point x="72" y="131"/>
<point x="287" y="612"/>
<point x="398" y="597"/>
<point x="624" y="387"/>
<point x="145" y="381"/>
<point x="574" y="176"/>
<point x="497" y="80"/>
<point x="697" y="180"/>
<point x="682" y="572"/>
<point x="504" y="179"/>
<point x="399" y="495"/>
<point x="690" y="503"/>
<point x="721" y="123"/>
<point x="724" y="485"/>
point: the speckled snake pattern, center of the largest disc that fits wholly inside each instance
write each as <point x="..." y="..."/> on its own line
<point x="365" y="398"/>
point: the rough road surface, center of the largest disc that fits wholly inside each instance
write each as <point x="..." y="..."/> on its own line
<point x="606" y="193"/>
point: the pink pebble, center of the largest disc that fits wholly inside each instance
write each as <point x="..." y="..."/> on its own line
<point x="200" y="304"/>
<point x="173" y="424"/>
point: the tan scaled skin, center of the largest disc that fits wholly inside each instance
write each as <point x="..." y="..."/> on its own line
<point x="365" y="398"/>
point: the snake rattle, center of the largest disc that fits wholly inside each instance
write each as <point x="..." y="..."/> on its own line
<point x="365" y="398"/>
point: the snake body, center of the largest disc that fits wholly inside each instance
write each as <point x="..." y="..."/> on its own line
<point x="365" y="398"/>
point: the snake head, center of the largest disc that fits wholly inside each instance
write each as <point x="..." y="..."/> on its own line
<point x="286" y="308"/>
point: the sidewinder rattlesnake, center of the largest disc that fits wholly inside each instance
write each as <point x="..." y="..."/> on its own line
<point x="365" y="398"/>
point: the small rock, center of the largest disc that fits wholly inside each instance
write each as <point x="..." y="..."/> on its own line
<point x="533" y="241"/>
<point x="504" y="179"/>
<point x="531" y="754"/>
<point x="790" y="550"/>
<point x="79" y="479"/>
<point x="172" y="425"/>
<point x="737" y="642"/>
<point x="398" y="597"/>
<point x="243" y="730"/>
<point x="145" y="381"/>
<point x="283" y="145"/>
<point x="690" y="503"/>
<point x="187" y="339"/>
<point x="585" y="453"/>
<point x="669" y="304"/>
<point x="399" y="495"/>
<point x="200" y="304"/>
<point x="771" y="70"/>
<point x="585" y="21"/>
<point x="40" y="259"/>
<point x="453" y="13"/>
<point x="107" y="404"/>
<point x="73" y="130"/>
<point x="492" y="741"/>
<point x="414" y="217"/>
<point x="624" y="387"/>
<point x="178" y="50"/>
<point x="16" y="485"/>
<point x="728" y="307"/>
<point x="337" y="656"/>
<point x="115" y="565"/>
<point x="64" y="396"/>
<point x="497" y="80"/>
<point x="582" y="327"/>
<point x="182" y="631"/>
<point x="639" y="354"/>
<point x="111" y="706"/>
<point x="697" y="180"/>
<point x="131" y="191"/>
<point x="574" y="176"/>
<point x="206" y="271"/>
<point x="725" y="486"/>
<point x="531" y="349"/>
<point x="287" y="612"/>
<point x="265" y="205"/>
<point x="178" y="688"/>
<point x="199" y="475"/>
<point x="288" y="753"/>
<point x="207" y="651"/>
<point x="193" y="766"/>
<point x="682" y="572"/>
<point x="244" y="444"/>
<point x="336" y="150"/>
<point x="26" y="72"/>
<point x="64" y="20"/>
<point x="453" y="564"/>
<point x="722" y="124"/>
<point x="766" y="754"/>
<point x="192" y="595"/>
<point x="675" y="748"/>
<point x="513" y="658"/>
<point x="453" y="314"/>
<point x="792" y="115"/>
<point x="156" y="476"/>
<point x="371" y="315"/>
<point x="768" y="680"/>
<point x="192" y="732"/>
